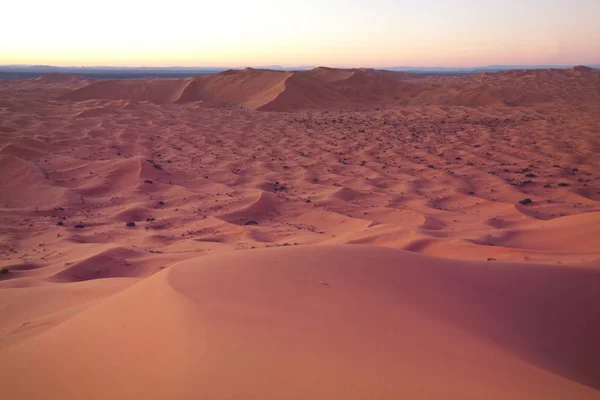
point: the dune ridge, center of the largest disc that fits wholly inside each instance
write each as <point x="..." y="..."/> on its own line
<point x="330" y="321"/>
<point x="331" y="88"/>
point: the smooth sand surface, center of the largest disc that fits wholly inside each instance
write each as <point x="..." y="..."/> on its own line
<point x="318" y="234"/>
<point x="330" y="321"/>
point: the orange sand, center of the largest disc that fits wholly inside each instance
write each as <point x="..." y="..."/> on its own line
<point x="501" y="302"/>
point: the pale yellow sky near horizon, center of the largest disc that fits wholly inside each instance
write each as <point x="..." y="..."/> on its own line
<point x="335" y="33"/>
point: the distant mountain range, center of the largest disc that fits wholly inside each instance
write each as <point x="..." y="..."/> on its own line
<point x="476" y="70"/>
<point x="107" y="72"/>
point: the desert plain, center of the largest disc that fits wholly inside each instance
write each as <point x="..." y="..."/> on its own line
<point x="321" y="234"/>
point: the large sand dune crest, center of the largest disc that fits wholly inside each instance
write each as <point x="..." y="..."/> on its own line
<point x="346" y="89"/>
<point x="249" y="88"/>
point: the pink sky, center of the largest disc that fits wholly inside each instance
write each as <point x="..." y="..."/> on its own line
<point x="336" y="33"/>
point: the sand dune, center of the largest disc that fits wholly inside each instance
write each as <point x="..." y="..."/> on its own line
<point x="264" y="90"/>
<point x="153" y="90"/>
<point x="333" y="233"/>
<point x="256" y="89"/>
<point x="59" y="78"/>
<point x="249" y="88"/>
<point x="347" y="89"/>
<point x="351" y="322"/>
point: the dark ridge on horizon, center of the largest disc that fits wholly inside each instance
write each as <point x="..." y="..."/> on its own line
<point x="115" y="72"/>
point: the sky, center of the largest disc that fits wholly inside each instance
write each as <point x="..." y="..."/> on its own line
<point x="338" y="33"/>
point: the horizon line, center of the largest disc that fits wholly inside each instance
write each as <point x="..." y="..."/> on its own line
<point x="396" y="68"/>
<point x="305" y="66"/>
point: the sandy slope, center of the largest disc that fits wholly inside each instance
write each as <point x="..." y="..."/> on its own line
<point x="333" y="322"/>
<point x="345" y="89"/>
<point x="507" y="308"/>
